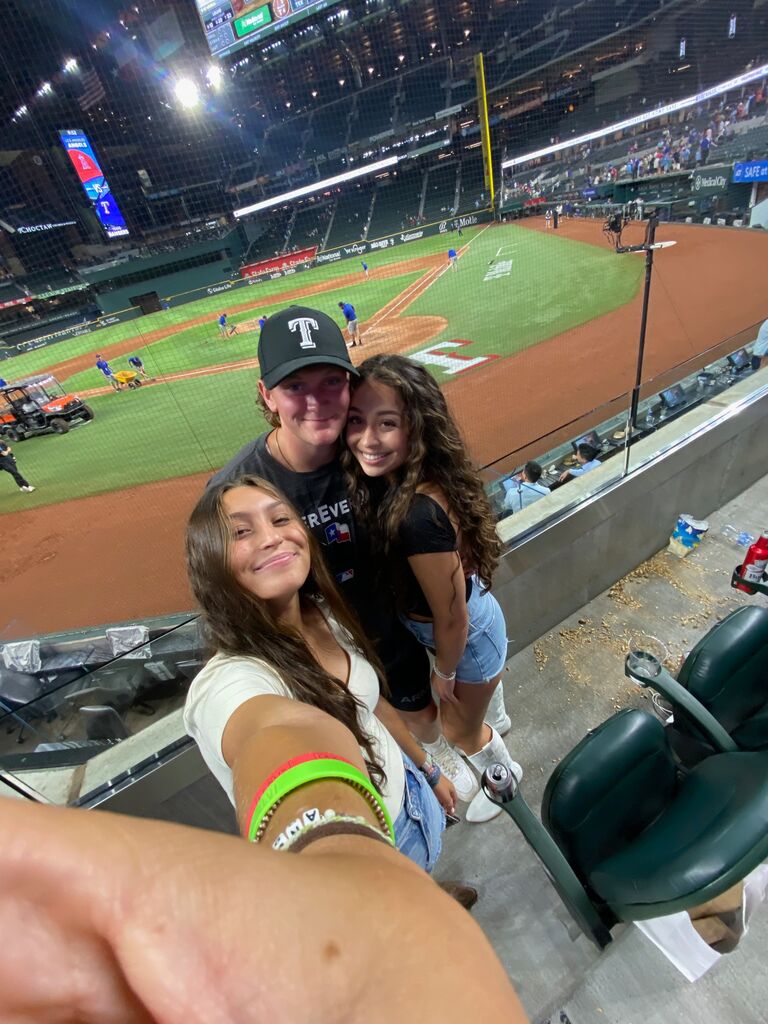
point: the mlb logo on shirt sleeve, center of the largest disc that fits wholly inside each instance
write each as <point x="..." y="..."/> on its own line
<point x="337" y="533"/>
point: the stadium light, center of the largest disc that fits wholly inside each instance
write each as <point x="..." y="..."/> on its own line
<point x="45" y="89"/>
<point x="70" y="66"/>
<point x="215" y="76"/>
<point x="318" y="186"/>
<point x="187" y="93"/>
<point x="631" y="122"/>
<point x="23" y="109"/>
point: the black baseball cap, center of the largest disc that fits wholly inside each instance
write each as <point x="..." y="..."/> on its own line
<point x="297" y="337"/>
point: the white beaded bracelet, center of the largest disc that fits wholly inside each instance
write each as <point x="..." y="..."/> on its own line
<point x="449" y="677"/>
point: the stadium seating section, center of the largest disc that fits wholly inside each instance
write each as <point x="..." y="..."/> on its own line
<point x="351" y="216"/>
<point x="441" y="190"/>
<point x="397" y="203"/>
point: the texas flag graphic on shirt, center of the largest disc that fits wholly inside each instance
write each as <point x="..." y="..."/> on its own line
<point x="337" y="533"/>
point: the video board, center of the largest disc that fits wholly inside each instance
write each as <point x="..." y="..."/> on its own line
<point x="230" y="25"/>
<point x="94" y="183"/>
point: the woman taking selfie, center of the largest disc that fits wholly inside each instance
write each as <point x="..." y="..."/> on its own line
<point x="282" y="634"/>
<point x="411" y="477"/>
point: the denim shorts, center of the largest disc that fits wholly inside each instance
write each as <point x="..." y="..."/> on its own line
<point x="420" y="823"/>
<point x="485" y="655"/>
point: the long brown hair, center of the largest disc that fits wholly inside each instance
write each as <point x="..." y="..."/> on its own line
<point x="437" y="456"/>
<point x="238" y="623"/>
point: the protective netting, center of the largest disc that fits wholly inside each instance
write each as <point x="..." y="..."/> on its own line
<point x="168" y="163"/>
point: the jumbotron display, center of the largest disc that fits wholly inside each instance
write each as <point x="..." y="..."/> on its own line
<point x="230" y="25"/>
<point x="94" y="183"/>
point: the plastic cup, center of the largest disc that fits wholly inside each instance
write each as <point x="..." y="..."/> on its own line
<point x="646" y="656"/>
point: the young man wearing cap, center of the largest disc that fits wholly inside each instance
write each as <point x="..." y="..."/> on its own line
<point x="304" y="391"/>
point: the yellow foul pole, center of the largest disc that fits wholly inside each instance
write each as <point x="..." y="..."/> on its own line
<point x="485" y="133"/>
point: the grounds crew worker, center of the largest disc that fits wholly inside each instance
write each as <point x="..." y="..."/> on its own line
<point x="8" y="465"/>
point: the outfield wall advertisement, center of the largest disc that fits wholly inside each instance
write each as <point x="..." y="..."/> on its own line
<point x="442" y="227"/>
<point x="283" y="262"/>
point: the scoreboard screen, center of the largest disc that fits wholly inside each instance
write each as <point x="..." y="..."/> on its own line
<point x="230" y="25"/>
<point x="92" y="179"/>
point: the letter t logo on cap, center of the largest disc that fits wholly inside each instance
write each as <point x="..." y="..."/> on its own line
<point x="303" y="324"/>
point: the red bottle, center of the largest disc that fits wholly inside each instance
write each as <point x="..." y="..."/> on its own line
<point x="754" y="564"/>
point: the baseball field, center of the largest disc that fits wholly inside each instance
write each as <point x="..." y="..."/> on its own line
<point x="533" y="332"/>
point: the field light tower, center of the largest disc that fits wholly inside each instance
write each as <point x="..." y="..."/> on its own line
<point x="187" y="93"/>
<point x="215" y="76"/>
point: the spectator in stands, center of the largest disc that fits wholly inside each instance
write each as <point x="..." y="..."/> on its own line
<point x="299" y="454"/>
<point x="760" y="348"/>
<point x="586" y="456"/>
<point x="8" y="465"/>
<point x="283" y="634"/>
<point x="413" y="482"/>
<point x="525" y="488"/>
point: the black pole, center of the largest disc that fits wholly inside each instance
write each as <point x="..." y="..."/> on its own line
<point x="648" y="248"/>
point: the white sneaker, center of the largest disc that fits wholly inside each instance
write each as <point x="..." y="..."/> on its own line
<point x="482" y="809"/>
<point x="496" y="716"/>
<point x="453" y="768"/>
<point x="29" y="488"/>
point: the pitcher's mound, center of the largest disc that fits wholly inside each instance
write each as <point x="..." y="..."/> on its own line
<point x="398" y="334"/>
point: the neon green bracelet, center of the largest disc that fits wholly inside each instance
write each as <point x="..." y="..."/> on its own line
<point x="317" y="770"/>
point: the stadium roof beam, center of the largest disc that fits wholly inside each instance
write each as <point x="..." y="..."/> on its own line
<point x="650" y="115"/>
<point x="317" y="186"/>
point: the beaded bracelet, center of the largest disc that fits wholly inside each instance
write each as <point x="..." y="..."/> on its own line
<point x="449" y="677"/>
<point x="432" y="774"/>
<point x="297" y="830"/>
<point x="314" y="770"/>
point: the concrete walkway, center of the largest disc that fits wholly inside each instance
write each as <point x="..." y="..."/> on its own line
<point x="567" y="682"/>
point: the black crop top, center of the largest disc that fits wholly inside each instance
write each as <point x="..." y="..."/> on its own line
<point x="426" y="530"/>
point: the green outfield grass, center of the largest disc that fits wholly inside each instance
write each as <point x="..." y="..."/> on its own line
<point x="175" y="428"/>
<point x="552" y="285"/>
<point x="204" y="311"/>
<point x="202" y="344"/>
<point x="160" y="431"/>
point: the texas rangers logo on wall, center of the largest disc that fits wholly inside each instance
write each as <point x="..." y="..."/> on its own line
<point x="304" y="325"/>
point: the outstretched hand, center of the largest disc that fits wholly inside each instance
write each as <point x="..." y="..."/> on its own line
<point x="117" y="920"/>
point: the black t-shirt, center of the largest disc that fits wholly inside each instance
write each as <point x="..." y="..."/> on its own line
<point x="320" y="497"/>
<point x="426" y="530"/>
<point x="322" y="500"/>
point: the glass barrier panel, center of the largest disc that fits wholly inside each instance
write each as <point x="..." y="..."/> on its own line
<point x="66" y="733"/>
<point x="675" y="404"/>
<point x="536" y="484"/>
